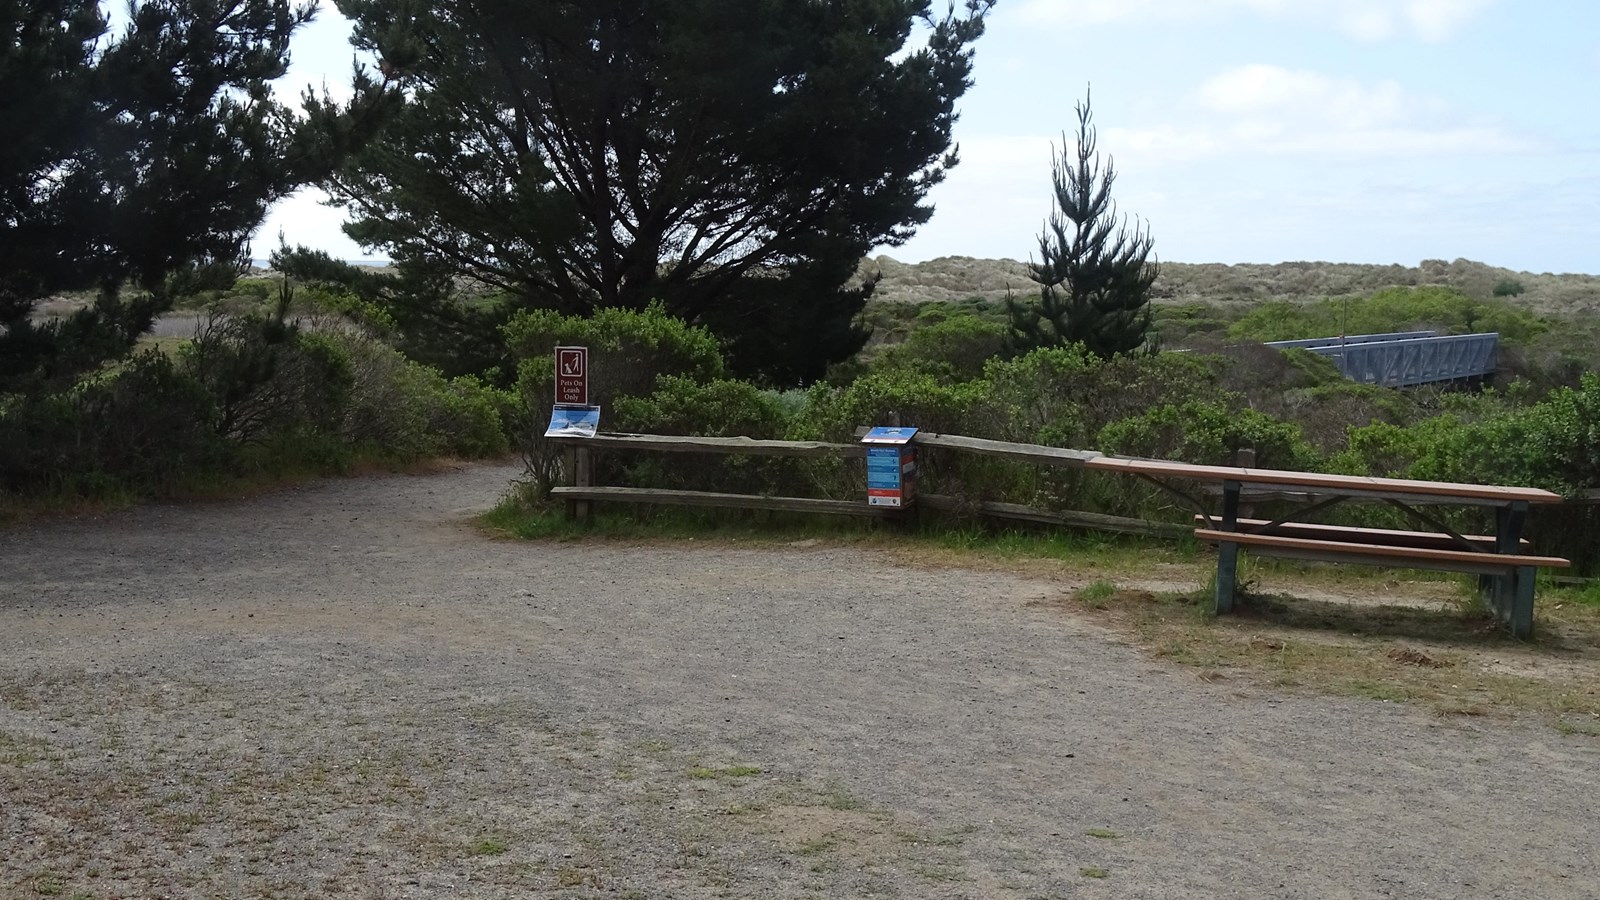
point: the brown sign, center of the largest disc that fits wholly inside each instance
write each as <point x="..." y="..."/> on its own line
<point x="572" y="376"/>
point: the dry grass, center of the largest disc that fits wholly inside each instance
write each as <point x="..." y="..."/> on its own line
<point x="1339" y="630"/>
<point x="955" y="278"/>
<point x="1453" y="658"/>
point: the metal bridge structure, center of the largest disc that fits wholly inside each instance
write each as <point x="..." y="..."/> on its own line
<point x="1406" y="358"/>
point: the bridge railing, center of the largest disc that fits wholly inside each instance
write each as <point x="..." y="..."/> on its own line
<point x="1404" y="359"/>
<point x="1318" y="343"/>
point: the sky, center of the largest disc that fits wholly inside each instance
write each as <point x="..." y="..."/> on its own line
<point x="1363" y="131"/>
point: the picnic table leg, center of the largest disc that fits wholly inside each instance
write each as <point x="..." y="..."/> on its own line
<point x="1228" y="551"/>
<point x="1522" y="608"/>
<point x="1511" y="595"/>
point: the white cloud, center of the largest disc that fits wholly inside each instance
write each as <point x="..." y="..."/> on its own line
<point x="1439" y="20"/>
<point x="1287" y="95"/>
<point x="1261" y="110"/>
<point x="1365" y="20"/>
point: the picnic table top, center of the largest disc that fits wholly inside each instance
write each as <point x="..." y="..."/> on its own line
<point x="1319" y="482"/>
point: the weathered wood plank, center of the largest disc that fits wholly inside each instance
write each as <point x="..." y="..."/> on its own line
<point x="1035" y="453"/>
<point x="1395" y="555"/>
<point x="607" y="440"/>
<point x="1068" y="518"/>
<point x="729" y="501"/>
<point x="1347" y="557"/>
<point x="1389" y="536"/>
<point x="1348" y="485"/>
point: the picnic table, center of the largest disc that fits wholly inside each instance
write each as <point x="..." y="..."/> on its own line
<point x="1506" y="570"/>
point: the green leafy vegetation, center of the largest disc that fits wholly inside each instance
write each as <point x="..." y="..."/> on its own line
<point x="250" y="397"/>
<point x="137" y="163"/>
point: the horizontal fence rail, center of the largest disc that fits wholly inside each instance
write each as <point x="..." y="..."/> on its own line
<point x="581" y="491"/>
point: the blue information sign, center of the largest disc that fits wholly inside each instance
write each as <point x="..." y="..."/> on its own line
<point x="891" y="466"/>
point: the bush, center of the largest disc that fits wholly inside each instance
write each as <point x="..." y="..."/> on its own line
<point x="1065" y="396"/>
<point x="141" y="429"/>
<point x="955" y="348"/>
<point x="721" y="408"/>
<point x="266" y="379"/>
<point x="1394" y="309"/>
<point x="1553" y="444"/>
<point x="628" y="351"/>
<point x="899" y="397"/>
<point x="1509" y="287"/>
<point x="1208" y="433"/>
<point x="402" y="410"/>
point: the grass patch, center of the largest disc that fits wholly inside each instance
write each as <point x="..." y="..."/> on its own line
<point x="489" y="847"/>
<point x="1096" y="594"/>
<point x="837" y="798"/>
<point x="931" y="540"/>
<point x="1102" y="833"/>
<point x="1453" y="658"/>
<point x="1093" y="872"/>
<point x="703" y="772"/>
<point x="817" y="846"/>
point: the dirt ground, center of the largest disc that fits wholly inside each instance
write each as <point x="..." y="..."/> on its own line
<point x="345" y="691"/>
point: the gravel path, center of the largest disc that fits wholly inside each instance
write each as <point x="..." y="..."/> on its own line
<point x="344" y="691"/>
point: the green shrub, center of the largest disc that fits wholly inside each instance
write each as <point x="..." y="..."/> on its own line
<point x="720" y="408"/>
<point x="1393" y="309"/>
<point x="1065" y="396"/>
<point x="898" y="397"/>
<point x="1208" y="433"/>
<point x="402" y="410"/>
<point x="265" y="377"/>
<point x="954" y="347"/>
<point x="138" y="429"/>
<point x="628" y="350"/>
<point x="1553" y="444"/>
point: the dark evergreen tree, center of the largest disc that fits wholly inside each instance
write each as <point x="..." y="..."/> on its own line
<point x="1094" y="275"/>
<point x="136" y="165"/>
<point x="734" y="159"/>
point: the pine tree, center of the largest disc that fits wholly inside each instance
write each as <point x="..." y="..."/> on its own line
<point x="1094" y="275"/>
<point x="136" y="165"/>
<point x="732" y="159"/>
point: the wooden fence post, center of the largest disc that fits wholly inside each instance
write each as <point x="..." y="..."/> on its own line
<point x="569" y="475"/>
<point x="585" y="478"/>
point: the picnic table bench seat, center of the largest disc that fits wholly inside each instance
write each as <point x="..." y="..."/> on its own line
<point x="1483" y="562"/>
<point x="1391" y="537"/>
